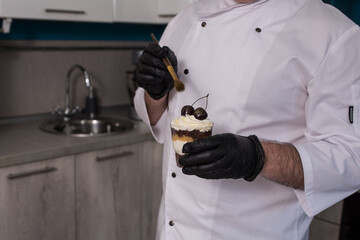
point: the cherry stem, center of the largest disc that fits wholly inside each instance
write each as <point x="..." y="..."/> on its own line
<point x="202" y="98"/>
<point x="207" y="98"/>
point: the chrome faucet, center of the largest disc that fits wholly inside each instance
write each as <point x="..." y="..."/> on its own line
<point x="68" y="113"/>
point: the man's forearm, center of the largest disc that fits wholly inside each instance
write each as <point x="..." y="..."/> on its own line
<point x="283" y="164"/>
<point x="155" y="108"/>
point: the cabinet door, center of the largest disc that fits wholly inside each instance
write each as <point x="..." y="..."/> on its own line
<point x="118" y="192"/>
<point x="326" y="225"/>
<point x="148" y="11"/>
<point x="75" y="10"/>
<point x="37" y="201"/>
<point x="139" y="11"/>
<point x="151" y="189"/>
<point x="171" y="7"/>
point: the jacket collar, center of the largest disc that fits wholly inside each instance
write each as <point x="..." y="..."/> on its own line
<point x="223" y="6"/>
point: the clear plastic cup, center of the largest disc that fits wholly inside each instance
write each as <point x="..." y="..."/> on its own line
<point x="181" y="137"/>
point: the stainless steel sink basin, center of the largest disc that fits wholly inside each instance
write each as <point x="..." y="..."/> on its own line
<point x="87" y="127"/>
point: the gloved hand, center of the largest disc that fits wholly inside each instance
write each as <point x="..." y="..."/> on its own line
<point x="152" y="74"/>
<point x="224" y="156"/>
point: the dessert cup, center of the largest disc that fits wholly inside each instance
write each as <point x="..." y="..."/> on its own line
<point x="188" y="129"/>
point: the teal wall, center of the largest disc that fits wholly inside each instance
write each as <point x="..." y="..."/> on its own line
<point x="58" y="30"/>
<point x="350" y="8"/>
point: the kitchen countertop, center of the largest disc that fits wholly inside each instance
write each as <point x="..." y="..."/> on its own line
<point x="22" y="141"/>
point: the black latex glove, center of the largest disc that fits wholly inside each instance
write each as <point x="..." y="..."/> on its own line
<point x="152" y="74"/>
<point x="224" y="156"/>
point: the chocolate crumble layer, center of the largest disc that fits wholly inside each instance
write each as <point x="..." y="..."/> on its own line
<point x="195" y="134"/>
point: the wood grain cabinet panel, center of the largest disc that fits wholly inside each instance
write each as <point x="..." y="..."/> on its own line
<point x="118" y="192"/>
<point x="37" y="200"/>
<point x="148" y="11"/>
<point x="111" y="194"/>
<point x="322" y="230"/>
<point x="326" y="225"/>
<point x="139" y="11"/>
<point x="68" y="10"/>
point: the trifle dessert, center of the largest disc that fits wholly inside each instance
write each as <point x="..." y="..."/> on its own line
<point x="190" y="126"/>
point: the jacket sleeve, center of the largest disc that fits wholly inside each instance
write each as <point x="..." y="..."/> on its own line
<point x="159" y="130"/>
<point x="140" y="107"/>
<point x="331" y="156"/>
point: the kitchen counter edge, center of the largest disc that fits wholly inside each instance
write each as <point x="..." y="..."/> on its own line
<point x="35" y="145"/>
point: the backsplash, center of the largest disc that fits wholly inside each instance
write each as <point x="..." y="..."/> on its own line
<point x="33" y="73"/>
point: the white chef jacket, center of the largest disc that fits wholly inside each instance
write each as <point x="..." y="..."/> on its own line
<point x="286" y="71"/>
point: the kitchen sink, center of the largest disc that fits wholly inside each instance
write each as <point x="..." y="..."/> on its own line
<point x="86" y="127"/>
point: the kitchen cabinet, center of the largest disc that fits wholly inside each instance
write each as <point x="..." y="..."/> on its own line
<point x="110" y="194"/>
<point x="118" y="192"/>
<point x="37" y="200"/>
<point x="171" y="7"/>
<point x="138" y="11"/>
<point x="326" y="225"/>
<point x="69" y="10"/>
<point x="147" y="11"/>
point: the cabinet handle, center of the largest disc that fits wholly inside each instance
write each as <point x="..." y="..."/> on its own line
<point x="50" y="10"/>
<point x="166" y="15"/>
<point x="120" y="155"/>
<point x="12" y="176"/>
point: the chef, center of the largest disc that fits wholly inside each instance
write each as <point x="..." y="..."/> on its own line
<point x="284" y="94"/>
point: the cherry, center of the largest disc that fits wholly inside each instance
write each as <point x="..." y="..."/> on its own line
<point x="189" y="110"/>
<point x="200" y="113"/>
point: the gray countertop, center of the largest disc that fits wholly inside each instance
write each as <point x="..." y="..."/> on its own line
<point x="22" y="141"/>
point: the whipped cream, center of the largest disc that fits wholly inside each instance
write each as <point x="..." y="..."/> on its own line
<point x="189" y="123"/>
<point x="178" y="146"/>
